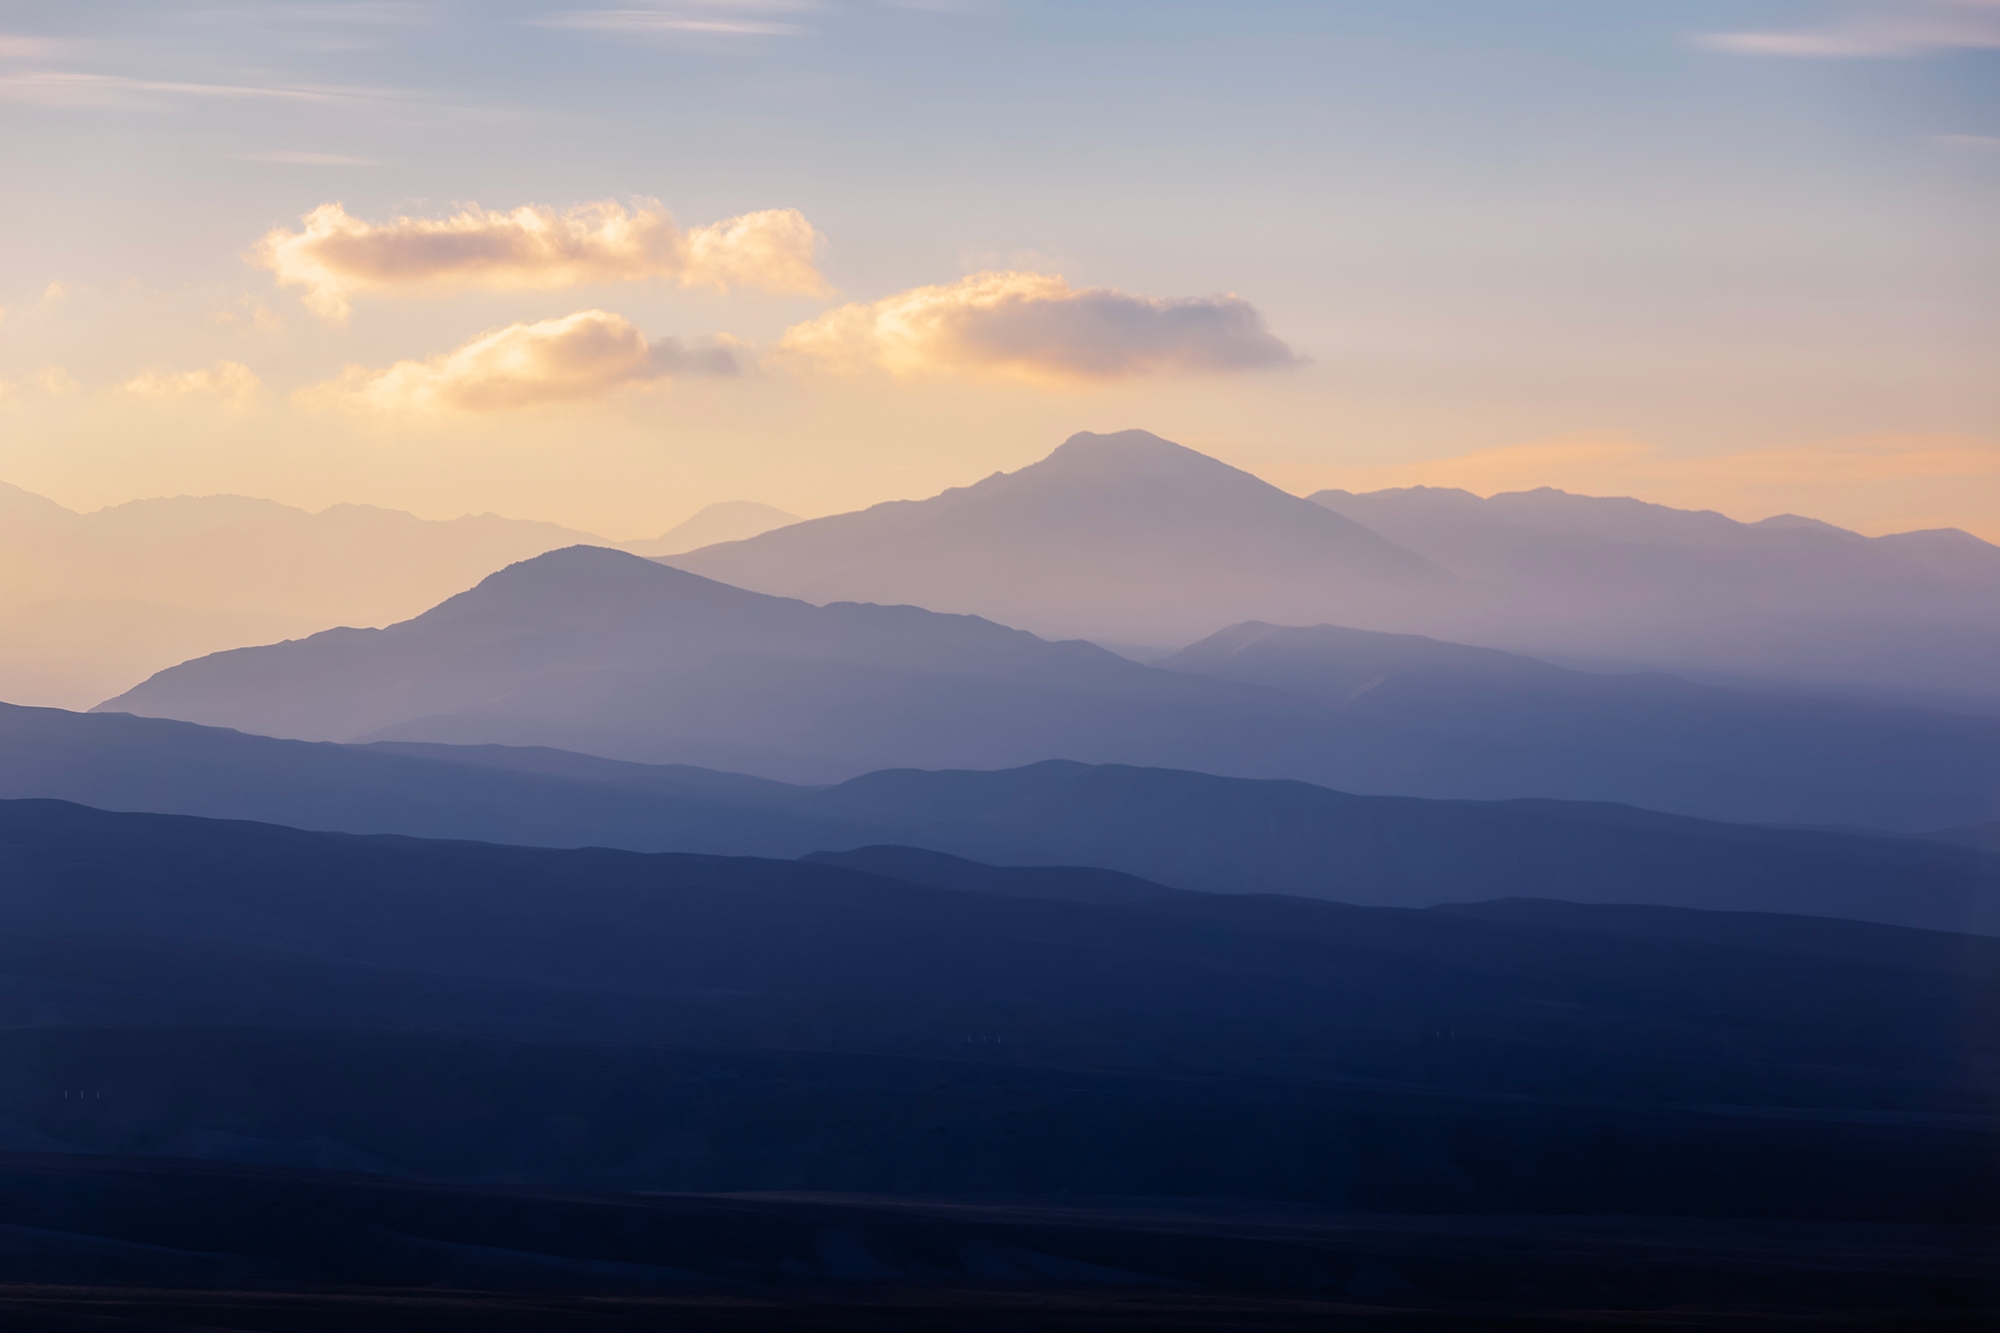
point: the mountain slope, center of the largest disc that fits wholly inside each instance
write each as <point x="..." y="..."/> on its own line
<point x="456" y="1011"/>
<point x="595" y="650"/>
<point x="601" y="652"/>
<point x="1910" y="614"/>
<point x="1186" y="830"/>
<point x="1499" y="725"/>
<point x="726" y="521"/>
<point x="1124" y="535"/>
<point x="92" y="603"/>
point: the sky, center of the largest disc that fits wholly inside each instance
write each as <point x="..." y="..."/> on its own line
<point x="604" y="265"/>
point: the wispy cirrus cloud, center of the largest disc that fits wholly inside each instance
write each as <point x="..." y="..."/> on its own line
<point x="1036" y="326"/>
<point x="578" y="357"/>
<point x="75" y="88"/>
<point x="534" y="247"/>
<point x="725" y="18"/>
<point x="286" y="157"/>
<point x="1879" y="29"/>
<point x="230" y="382"/>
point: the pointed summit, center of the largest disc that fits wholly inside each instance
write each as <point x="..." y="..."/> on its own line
<point x="1125" y="536"/>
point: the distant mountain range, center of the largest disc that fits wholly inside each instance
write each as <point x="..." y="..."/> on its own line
<point x="1130" y="539"/>
<point x="1122" y="537"/>
<point x="1784" y="598"/>
<point x="1482" y="723"/>
<point x="728" y="521"/>
<point x="1186" y="830"/>
<point x="600" y="652"/>
<point x="92" y="603"/>
<point x="601" y="1019"/>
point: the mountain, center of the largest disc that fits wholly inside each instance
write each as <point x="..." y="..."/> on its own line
<point x="1187" y="830"/>
<point x="594" y="650"/>
<point x="1491" y="724"/>
<point x="91" y="603"/>
<point x="595" y="1019"/>
<point x="1222" y="835"/>
<point x="597" y="651"/>
<point x="1124" y="536"/>
<point x="728" y="521"/>
<point x="71" y="653"/>
<point x="1911" y="614"/>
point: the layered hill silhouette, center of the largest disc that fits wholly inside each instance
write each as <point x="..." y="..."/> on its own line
<point x="1188" y="830"/>
<point x="1787" y="597"/>
<point x="602" y="1019"/>
<point x="1129" y="539"/>
<point x="592" y="650"/>
<point x="1499" y="724"/>
<point x="726" y="521"/>
<point x="92" y="603"/>
<point x="1124" y="536"/>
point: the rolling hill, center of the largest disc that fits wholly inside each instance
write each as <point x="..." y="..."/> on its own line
<point x="1188" y="830"/>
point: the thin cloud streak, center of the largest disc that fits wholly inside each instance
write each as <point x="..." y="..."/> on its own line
<point x="71" y="88"/>
<point x="536" y="247"/>
<point x="698" y="17"/>
<point x="1908" y="28"/>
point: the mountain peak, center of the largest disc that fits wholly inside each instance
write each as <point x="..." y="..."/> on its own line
<point x="1127" y="452"/>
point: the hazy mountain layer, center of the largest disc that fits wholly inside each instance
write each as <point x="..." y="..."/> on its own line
<point x="727" y="521"/>
<point x="1189" y="830"/>
<point x="591" y="650"/>
<point x="1493" y="724"/>
<point x="465" y="1012"/>
<point x="1124" y="536"/>
<point x="92" y="603"/>
<point x="1787" y="597"/>
<point x="1127" y="538"/>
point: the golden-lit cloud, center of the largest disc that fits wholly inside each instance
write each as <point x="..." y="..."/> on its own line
<point x="1036" y="326"/>
<point x="583" y="356"/>
<point x="1875" y="483"/>
<point x="229" y="382"/>
<point x="56" y="381"/>
<point x="1885" y="28"/>
<point x="335" y="256"/>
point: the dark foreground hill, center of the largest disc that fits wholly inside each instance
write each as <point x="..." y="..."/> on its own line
<point x="401" y="1255"/>
<point x="1188" y="830"/>
<point x="237" y="1055"/>
<point x="472" y="1012"/>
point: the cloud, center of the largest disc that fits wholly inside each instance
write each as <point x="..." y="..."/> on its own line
<point x="336" y="255"/>
<point x="55" y="381"/>
<point x="72" y="88"/>
<point x="230" y="382"/>
<point x="1036" y="326"/>
<point x="586" y="355"/>
<point x="693" y="17"/>
<point x="288" y="158"/>
<point x="1885" y="28"/>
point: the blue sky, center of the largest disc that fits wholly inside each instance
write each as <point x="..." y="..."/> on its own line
<point x="1661" y="235"/>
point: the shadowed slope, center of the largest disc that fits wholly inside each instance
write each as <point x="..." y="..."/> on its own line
<point x="1500" y="725"/>
<point x="461" y="1011"/>
<point x="1189" y="830"/>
